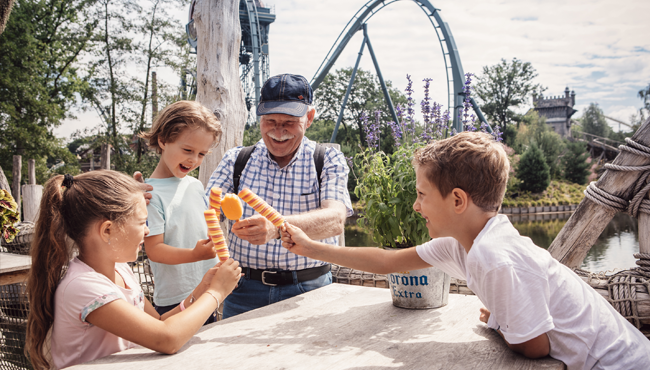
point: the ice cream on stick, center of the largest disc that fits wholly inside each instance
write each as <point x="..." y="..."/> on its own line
<point x="231" y="206"/>
<point x="262" y="207"/>
<point x="216" y="235"/>
<point x="215" y="199"/>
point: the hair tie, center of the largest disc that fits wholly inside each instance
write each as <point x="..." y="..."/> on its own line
<point x="67" y="181"/>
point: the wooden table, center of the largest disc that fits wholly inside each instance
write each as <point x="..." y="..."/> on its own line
<point x="339" y="327"/>
<point x="14" y="268"/>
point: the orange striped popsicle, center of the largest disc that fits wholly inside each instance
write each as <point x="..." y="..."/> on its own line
<point x="215" y="199"/>
<point x="215" y="233"/>
<point x="262" y="207"/>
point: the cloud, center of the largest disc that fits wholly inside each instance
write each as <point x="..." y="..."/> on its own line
<point x="598" y="48"/>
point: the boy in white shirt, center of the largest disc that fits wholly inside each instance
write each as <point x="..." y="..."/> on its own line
<point x="535" y="303"/>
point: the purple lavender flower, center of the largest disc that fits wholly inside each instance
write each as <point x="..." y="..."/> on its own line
<point x="409" y="125"/>
<point x="396" y="130"/>
<point x="371" y="130"/>
<point x="350" y="161"/>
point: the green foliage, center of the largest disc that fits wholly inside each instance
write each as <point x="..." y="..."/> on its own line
<point x="574" y="163"/>
<point x="39" y="79"/>
<point x="593" y="121"/>
<point x="645" y="95"/>
<point x="8" y="216"/>
<point x="506" y="85"/>
<point x="387" y="191"/>
<point x="557" y="193"/>
<point x="533" y="170"/>
<point x="128" y="32"/>
<point x="366" y="96"/>
<point x="252" y="135"/>
<point x="534" y="130"/>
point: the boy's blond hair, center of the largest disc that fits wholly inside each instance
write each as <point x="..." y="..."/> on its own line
<point x="176" y="117"/>
<point x="471" y="161"/>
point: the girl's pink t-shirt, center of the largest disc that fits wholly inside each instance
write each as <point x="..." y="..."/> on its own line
<point x="83" y="290"/>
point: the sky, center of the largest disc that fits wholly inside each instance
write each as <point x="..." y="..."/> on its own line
<point x="599" y="48"/>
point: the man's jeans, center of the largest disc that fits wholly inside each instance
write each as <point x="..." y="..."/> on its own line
<point x="251" y="294"/>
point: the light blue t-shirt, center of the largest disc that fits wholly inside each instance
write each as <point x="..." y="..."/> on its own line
<point x="176" y="210"/>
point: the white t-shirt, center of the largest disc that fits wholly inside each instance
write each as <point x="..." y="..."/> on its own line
<point x="529" y="293"/>
<point x="83" y="290"/>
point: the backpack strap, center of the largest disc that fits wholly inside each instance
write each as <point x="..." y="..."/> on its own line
<point x="246" y="152"/>
<point x="242" y="158"/>
<point x="319" y="161"/>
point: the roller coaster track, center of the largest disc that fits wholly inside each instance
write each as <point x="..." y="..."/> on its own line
<point x="453" y="67"/>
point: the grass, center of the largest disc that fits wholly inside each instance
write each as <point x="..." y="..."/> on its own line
<point x="557" y="193"/>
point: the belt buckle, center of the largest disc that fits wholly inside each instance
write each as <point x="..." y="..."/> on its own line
<point x="264" y="279"/>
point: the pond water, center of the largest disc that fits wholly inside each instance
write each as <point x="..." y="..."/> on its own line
<point x="613" y="251"/>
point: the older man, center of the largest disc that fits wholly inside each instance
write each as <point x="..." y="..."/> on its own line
<point x="281" y="170"/>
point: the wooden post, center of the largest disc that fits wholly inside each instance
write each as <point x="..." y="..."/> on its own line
<point x="589" y="220"/>
<point x="105" y="159"/>
<point x="4" y="183"/>
<point x="217" y="65"/>
<point x="32" y="195"/>
<point x="644" y="231"/>
<point x="31" y="172"/>
<point x="16" y="174"/>
<point x="91" y="153"/>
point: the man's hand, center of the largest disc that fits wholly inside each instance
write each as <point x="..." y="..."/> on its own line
<point x="256" y="230"/>
<point x="146" y="188"/>
<point x="204" y="250"/>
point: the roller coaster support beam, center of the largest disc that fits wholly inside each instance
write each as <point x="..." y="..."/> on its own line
<point x="389" y="102"/>
<point x="479" y="114"/>
<point x="347" y="92"/>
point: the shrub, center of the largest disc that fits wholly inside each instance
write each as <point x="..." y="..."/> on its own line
<point x="533" y="170"/>
<point x="574" y="163"/>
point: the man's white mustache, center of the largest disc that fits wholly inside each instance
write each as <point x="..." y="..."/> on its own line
<point x="282" y="138"/>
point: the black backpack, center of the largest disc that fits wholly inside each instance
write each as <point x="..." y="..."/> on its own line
<point x="245" y="154"/>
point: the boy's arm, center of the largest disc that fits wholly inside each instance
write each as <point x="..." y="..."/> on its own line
<point x="534" y="348"/>
<point x="375" y="260"/>
<point x="160" y="252"/>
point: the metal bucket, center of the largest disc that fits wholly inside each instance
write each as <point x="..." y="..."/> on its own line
<point x="420" y="289"/>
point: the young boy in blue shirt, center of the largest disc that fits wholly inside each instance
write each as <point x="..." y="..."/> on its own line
<point x="539" y="306"/>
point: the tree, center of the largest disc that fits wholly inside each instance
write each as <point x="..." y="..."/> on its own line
<point x="533" y="170"/>
<point x="366" y="96"/>
<point x="38" y="77"/>
<point x="645" y="95"/>
<point x="506" y="85"/>
<point x="128" y="33"/>
<point x="593" y="121"/>
<point x="535" y="131"/>
<point x="574" y="163"/>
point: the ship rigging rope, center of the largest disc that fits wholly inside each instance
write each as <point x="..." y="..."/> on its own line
<point x="639" y="202"/>
<point x="624" y="285"/>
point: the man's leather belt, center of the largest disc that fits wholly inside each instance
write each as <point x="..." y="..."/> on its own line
<point x="273" y="278"/>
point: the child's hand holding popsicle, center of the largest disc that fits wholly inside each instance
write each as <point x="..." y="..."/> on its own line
<point x="204" y="250"/>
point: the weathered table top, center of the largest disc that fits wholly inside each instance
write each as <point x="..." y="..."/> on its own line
<point x="340" y="327"/>
<point x="13" y="268"/>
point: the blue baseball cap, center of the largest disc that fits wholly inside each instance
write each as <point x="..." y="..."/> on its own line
<point x="285" y="94"/>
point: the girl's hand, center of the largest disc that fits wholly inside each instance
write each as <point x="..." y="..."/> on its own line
<point x="294" y="239"/>
<point x="226" y="277"/>
<point x="204" y="250"/>
<point x="485" y="315"/>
